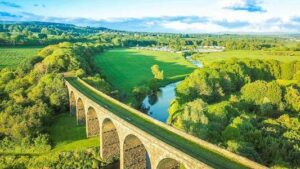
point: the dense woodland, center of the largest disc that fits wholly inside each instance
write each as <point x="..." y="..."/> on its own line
<point x="250" y="107"/>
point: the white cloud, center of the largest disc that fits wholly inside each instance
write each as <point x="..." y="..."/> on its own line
<point x="270" y="25"/>
<point x="244" y="5"/>
<point x="191" y="27"/>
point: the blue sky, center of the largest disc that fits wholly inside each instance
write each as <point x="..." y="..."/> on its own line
<point x="185" y="16"/>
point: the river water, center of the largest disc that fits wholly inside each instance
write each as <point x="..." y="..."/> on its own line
<point x="194" y="62"/>
<point x="157" y="105"/>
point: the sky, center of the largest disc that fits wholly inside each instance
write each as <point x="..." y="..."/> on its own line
<point x="180" y="16"/>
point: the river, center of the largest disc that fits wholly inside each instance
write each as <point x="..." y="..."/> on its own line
<point x="157" y="106"/>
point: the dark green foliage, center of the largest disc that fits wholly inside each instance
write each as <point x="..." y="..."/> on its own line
<point x="237" y="127"/>
<point x="67" y="57"/>
<point x="140" y="93"/>
<point x="77" y="159"/>
<point x="292" y="98"/>
<point x="88" y="159"/>
<point x="41" y="33"/>
<point x="194" y="117"/>
<point x="267" y="95"/>
<point x="219" y="116"/>
<point x="220" y="79"/>
<point x="248" y="112"/>
<point x="282" y="137"/>
<point x="98" y="82"/>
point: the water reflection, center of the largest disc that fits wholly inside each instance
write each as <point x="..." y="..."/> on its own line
<point x="153" y="98"/>
<point x="157" y="105"/>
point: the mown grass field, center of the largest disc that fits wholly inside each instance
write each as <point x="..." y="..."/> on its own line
<point x="66" y="135"/>
<point x="14" y="56"/>
<point x="127" y="68"/>
<point x="284" y="56"/>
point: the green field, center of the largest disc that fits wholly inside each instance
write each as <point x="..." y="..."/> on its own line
<point x="13" y="56"/>
<point x="284" y="56"/>
<point x="66" y="135"/>
<point x="127" y="68"/>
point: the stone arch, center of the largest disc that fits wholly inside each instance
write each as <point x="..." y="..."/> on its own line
<point x="135" y="154"/>
<point x="72" y="103"/>
<point x="80" y="114"/>
<point x="93" y="128"/>
<point x="169" y="163"/>
<point x="110" y="142"/>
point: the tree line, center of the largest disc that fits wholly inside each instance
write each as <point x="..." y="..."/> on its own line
<point x="43" y="34"/>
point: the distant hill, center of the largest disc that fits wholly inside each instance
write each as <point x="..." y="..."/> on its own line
<point x="36" y="26"/>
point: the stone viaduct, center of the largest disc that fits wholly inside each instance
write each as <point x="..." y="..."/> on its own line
<point x="135" y="148"/>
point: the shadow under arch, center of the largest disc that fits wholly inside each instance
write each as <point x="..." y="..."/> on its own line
<point x="93" y="128"/>
<point x="80" y="114"/>
<point x="110" y="143"/>
<point x="169" y="163"/>
<point x="135" y="153"/>
<point x="72" y="103"/>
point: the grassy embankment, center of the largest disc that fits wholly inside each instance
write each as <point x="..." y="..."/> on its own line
<point x="66" y="135"/>
<point x="127" y="68"/>
<point x="14" y="56"/>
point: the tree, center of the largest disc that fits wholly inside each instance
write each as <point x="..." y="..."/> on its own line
<point x="158" y="74"/>
<point x="42" y="36"/>
<point x="194" y="119"/>
<point x="140" y="92"/>
<point x="237" y="128"/>
<point x="116" y="41"/>
<point x="258" y="91"/>
<point x="45" y="31"/>
<point x="292" y="98"/>
<point x="98" y="82"/>
<point x="174" y="107"/>
<point x="266" y="106"/>
<point x="195" y="112"/>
